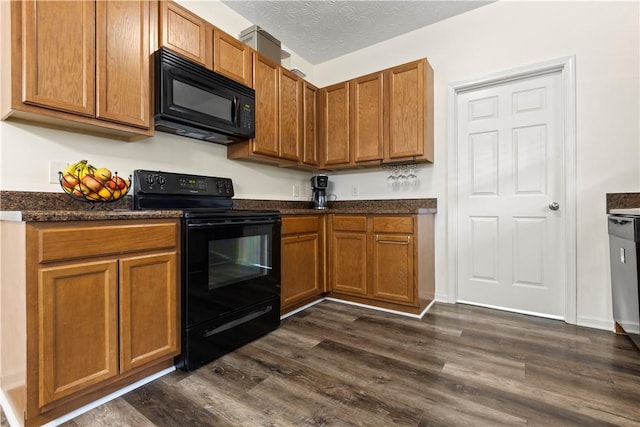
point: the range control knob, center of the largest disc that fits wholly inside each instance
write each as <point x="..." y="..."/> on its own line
<point x="160" y="180"/>
<point x="149" y="179"/>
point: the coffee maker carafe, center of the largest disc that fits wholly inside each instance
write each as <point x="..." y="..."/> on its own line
<point x="319" y="185"/>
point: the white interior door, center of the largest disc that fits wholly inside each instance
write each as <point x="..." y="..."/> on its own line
<point x="510" y="236"/>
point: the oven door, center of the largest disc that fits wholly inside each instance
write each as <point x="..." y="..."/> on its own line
<point x="229" y="264"/>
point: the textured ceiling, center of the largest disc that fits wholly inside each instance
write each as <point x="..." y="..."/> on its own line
<point x="325" y="29"/>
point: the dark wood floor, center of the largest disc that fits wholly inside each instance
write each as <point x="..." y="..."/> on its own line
<point x="340" y="365"/>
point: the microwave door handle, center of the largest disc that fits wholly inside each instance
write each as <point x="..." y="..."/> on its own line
<point x="234" y="109"/>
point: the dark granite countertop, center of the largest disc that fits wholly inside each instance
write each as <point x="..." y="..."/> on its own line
<point x="85" y="215"/>
<point x="34" y="206"/>
<point x="386" y="207"/>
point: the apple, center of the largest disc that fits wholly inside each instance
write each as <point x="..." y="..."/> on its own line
<point x="92" y="183"/>
<point x="117" y="182"/>
<point x="80" y="190"/>
<point x="103" y="174"/>
<point x="69" y="181"/>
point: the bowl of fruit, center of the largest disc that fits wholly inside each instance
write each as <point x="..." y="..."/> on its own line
<point x="87" y="183"/>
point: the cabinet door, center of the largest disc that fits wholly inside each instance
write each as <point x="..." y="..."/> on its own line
<point x="349" y="262"/>
<point x="266" y="87"/>
<point x="58" y="50"/>
<point x="78" y="327"/>
<point x="149" y="319"/>
<point x="310" y="125"/>
<point x="392" y="276"/>
<point x="290" y="115"/>
<point x="122" y="46"/>
<point x="183" y="32"/>
<point x="367" y="117"/>
<point x="232" y="58"/>
<point x="300" y="267"/>
<point x="335" y="135"/>
<point x="406" y="103"/>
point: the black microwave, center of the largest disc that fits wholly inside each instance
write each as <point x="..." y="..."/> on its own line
<point x="193" y="101"/>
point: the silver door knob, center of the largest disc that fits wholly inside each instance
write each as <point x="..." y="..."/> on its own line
<point x="554" y="206"/>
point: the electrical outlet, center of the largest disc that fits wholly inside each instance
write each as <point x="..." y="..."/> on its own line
<point x="296" y="190"/>
<point x="54" y="168"/>
<point x="355" y="190"/>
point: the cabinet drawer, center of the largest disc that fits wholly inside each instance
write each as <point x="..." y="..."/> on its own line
<point x="300" y="224"/>
<point x="393" y="224"/>
<point x="78" y="240"/>
<point x="350" y="223"/>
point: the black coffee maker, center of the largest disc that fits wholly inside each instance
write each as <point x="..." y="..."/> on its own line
<point x="319" y="185"/>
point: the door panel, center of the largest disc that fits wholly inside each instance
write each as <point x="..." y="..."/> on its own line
<point x="77" y="326"/>
<point x="148" y="309"/>
<point x="509" y="171"/>
<point x="266" y="86"/>
<point x="335" y="136"/>
<point x="349" y="265"/>
<point x="59" y="55"/>
<point x="122" y="42"/>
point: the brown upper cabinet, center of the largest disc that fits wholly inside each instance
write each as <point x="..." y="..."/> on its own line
<point x="367" y="117"/>
<point x="310" y="125"/>
<point x="410" y="112"/>
<point x="266" y="87"/>
<point x="81" y="64"/>
<point x="334" y="126"/>
<point x="290" y="109"/>
<point x="285" y="118"/>
<point x="196" y="39"/>
<point x="184" y="33"/>
<point x="379" y="118"/>
<point x="232" y="58"/>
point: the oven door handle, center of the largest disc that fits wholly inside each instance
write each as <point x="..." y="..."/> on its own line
<point x="239" y="321"/>
<point x="230" y="222"/>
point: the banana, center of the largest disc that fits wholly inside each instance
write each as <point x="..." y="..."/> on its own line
<point x="75" y="168"/>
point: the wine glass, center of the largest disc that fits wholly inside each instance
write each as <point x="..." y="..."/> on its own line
<point x="402" y="178"/>
<point x="412" y="178"/>
<point x="392" y="179"/>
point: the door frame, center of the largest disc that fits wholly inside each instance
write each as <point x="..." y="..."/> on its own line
<point x="565" y="66"/>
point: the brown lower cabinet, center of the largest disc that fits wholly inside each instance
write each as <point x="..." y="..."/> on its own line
<point x="302" y="275"/>
<point x="95" y="306"/>
<point x="382" y="260"/>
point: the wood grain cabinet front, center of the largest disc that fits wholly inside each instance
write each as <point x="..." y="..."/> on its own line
<point x="302" y="275"/>
<point x="285" y="119"/>
<point x="335" y="134"/>
<point x="184" y="32"/>
<point x="382" y="117"/>
<point x="382" y="260"/>
<point x="102" y="310"/>
<point x="81" y="64"/>
<point x="232" y="58"/>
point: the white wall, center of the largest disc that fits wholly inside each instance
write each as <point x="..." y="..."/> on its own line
<point x="509" y="34"/>
<point x="26" y="150"/>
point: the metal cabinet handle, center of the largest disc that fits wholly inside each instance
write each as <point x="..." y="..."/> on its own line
<point x="554" y="206"/>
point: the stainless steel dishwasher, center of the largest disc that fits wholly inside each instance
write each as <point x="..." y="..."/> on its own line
<point x="624" y="245"/>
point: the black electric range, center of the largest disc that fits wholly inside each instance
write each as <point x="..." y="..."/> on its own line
<point x="230" y="263"/>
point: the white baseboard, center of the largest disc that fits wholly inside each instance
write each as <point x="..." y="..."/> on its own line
<point x="14" y="422"/>
<point x="386" y="310"/>
<point x="8" y="411"/>
<point x="595" y="322"/>
<point x="299" y="309"/>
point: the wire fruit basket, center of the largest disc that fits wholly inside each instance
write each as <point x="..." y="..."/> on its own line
<point x="86" y="183"/>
